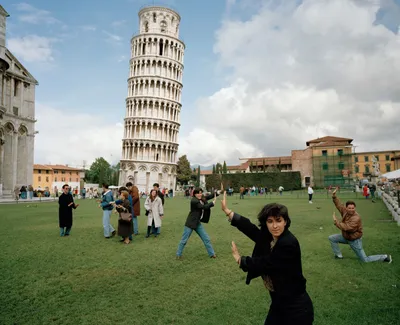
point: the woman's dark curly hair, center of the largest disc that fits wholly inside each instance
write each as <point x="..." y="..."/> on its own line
<point x="275" y="210"/>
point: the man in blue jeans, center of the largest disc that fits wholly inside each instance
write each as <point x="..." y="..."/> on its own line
<point x="199" y="212"/>
<point x="105" y="204"/>
<point x="352" y="232"/>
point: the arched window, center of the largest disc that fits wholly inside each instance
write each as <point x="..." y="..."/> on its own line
<point x="163" y="26"/>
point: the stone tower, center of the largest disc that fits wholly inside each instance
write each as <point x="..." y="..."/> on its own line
<point x="153" y="105"/>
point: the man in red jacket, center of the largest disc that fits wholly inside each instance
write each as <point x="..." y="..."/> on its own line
<point x="352" y="232"/>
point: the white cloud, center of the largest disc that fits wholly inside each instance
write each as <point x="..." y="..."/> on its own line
<point x="112" y="37"/>
<point x="66" y="138"/>
<point x="32" y="15"/>
<point x="122" y="58"/>
<point x="207" y="148"/>
<point x="299" y="72"/>
<point x="32" y="48"/>
<point x="118" y="23"/>
<point x="89" y="28"/>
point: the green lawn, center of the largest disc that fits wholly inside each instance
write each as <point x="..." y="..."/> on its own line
<point x="86" y="279"/>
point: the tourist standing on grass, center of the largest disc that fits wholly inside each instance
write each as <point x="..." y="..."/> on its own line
<point x="276" y="259"/>
<point x="134" y="193"/>
<point x="241" y="191"/>
<point x="310" y="193"/>
<point x="123" y="205"/>
<point x="107" y="207"/>
<point x="160" y="194"/>
<point x="199" y="212"/>
<point x="352" y="232"/>
<point x="155" y="212"/>
<point x="120" y="201"/>
<point x="65" y="206"/>
<point x="280" y="189"/>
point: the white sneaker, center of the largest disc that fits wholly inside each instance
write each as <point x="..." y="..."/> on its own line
<point x="388" y="259"/>
<point x="310" y="202"/>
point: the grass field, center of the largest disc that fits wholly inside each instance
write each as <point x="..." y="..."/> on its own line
<point x="86" y="279"/>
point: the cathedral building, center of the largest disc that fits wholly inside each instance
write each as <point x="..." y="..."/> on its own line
<point x="17" y="118"/>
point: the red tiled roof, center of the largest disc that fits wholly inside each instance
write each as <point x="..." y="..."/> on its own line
<point x="57" y="167"/>
<point x="205" y="172"/>
<point x="329" y="139"/>
<point x="42" y="167"/>
<point x="233" y="167"/>
<point x="284" y="160"/>
<point x="331" y="144"/>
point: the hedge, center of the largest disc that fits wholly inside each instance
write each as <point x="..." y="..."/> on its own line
<point x="289" y="180"/>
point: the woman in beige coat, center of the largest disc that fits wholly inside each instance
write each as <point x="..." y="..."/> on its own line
<point x="154" y="211"/>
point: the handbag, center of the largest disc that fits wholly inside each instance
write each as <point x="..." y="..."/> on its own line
<point x="125" y="216"/>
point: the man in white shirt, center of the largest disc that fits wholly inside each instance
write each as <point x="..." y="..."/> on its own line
<point x="310" y="193"/>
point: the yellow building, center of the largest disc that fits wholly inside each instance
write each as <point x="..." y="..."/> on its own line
<point x="363" y="162"/>
<point x="42" y="177"/>
<point x="55" y="176"/>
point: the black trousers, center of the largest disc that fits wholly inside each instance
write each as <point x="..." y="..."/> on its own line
<point x="296" y="310"/>
<point x="309" y="197"/>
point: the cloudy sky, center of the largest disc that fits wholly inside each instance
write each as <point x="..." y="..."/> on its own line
<point x="261" y="76"/>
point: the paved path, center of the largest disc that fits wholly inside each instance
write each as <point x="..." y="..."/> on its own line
<point x="23" y="201"/>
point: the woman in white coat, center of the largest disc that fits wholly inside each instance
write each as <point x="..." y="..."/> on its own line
<point x="154" y="211"/>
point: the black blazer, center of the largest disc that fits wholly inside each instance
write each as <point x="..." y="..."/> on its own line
<point x="196" y="211"/>
<point x="283" y="264"/>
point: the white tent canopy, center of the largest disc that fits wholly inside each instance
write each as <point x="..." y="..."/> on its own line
<point x="392" y="175"/>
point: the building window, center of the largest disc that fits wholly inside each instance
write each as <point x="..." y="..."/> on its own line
<point x="47" y="171"/>
<point x="325" y="152"/>
<point x="365" y="158"/>
<point x="39" y="179"/>
<point x="47" y="178"/>
<point x="325" y="166"/>
<point x="55" y="179"/>
<point x="15" y="110"/>
<point x="161" y="47"/>
<point x="56" y="172"/>
<point x="39" y="171"/>
<point x="357" y="169"/>
<point x="77" y="173"/>
<point x="62" y="179"/>
<point x="367" y="169"/>
<point x="340" y="152"/>
<point x="356" y="159"/>
<point x="62" y="172"/>
<point x="341" y="165"/>
<point x="388" y="167"/>
<point x="16" y="83"/>
<point x="377" y="158"/>
<point x="387" y="157"/>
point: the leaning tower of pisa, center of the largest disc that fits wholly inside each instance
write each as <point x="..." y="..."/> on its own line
<point x="153" y="105"/>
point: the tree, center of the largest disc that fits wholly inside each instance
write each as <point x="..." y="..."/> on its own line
<point x="218" y="168"/>
<point x="184" y="172"/>
<point x="251" y="166"/>
<point x="100" y="171"/>
<point x="115" y="174"/>
<point x="213" y="171"/>
<point x="198" y="176"/>
<point x="224" y="168"/>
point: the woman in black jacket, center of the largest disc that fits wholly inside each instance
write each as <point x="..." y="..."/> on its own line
<point x="199" y="212"/>
<point x="277" y="259"/>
